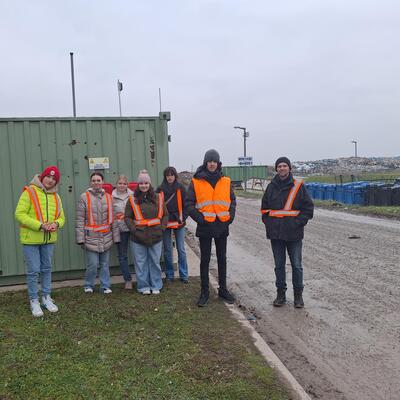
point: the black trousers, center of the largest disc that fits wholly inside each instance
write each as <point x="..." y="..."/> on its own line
<point x="205" y="255"/>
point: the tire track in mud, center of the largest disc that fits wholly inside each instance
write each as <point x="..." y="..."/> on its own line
<point x="346" y="343"/>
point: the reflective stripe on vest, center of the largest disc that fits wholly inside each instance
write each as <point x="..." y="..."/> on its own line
<point x="119" y="216"/>
<point x="287" y="209"/>
<point x="176" y="224"/>
<point x="213" y="202"/>
<point x="140" y="220"/>
<point x="36" y="204"/>
<point x="91" y="225"/>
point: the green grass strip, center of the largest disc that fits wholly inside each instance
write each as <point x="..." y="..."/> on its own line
<point x="129" y="346"/>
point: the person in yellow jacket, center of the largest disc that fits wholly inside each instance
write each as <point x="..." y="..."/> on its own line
<point x="40" y="214"/>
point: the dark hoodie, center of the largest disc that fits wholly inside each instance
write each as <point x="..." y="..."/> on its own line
<point x="274" y="198"/>
<point x="208" y="229"/>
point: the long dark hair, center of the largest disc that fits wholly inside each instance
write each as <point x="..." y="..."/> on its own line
<point x="170" y="171"/>
<point x="140" y="196"/>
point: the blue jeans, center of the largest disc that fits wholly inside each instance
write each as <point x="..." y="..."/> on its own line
<point x="294" y="248"/>
<point x="94" y="260"/>
<point x="38" y="261"/>
<point x="180" y="246"/>
<point x="147" y="266"/>
<point x="122" y="248"/>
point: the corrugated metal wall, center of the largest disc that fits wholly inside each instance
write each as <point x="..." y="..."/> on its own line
<point x="28" y="145"/>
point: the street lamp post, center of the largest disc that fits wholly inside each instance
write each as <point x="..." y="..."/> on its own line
<point x="355" y="147"/>
<point x="245" y="136"/>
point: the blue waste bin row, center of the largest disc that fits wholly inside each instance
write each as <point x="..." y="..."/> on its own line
<point x="348" y="193"/>
<point x="362" y="193"/>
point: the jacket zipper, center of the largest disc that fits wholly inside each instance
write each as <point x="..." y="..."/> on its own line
<point x="46" y="234"/>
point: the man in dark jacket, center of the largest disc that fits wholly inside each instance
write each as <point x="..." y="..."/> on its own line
<point x="286" y="208"/>
<point x="211" y="203"/>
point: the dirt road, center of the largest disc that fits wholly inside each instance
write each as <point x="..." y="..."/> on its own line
<point x="346" y="343"/>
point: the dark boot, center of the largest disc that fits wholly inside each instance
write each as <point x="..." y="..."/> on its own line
<point x="203" y="299"/>
<point x="280" y="298"/>
<point x="225" y="295"/>
<point x="298" y="298"/>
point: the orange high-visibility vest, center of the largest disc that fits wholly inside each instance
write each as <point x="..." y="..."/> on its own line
<point x="176" y="224"/>
<point x="287" y="209"/>
<point x="92" y="225"/>
<point x="213" y="202"/>
<point x="36" y="203"/>
<point x="140" y="220"/>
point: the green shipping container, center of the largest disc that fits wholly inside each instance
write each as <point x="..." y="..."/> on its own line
<point x="237" y="173"/>
<point x="30" y="144"/>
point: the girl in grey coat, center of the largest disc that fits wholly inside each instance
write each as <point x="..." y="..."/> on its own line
<point x="96" y="232"/>
<point x="120" y="196"/>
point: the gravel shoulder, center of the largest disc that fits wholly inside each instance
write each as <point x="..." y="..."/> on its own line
<point x="345" y="344"/>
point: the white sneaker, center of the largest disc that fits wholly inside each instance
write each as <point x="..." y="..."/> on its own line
<point x="48" y="303"/>
<point x="107" y="291"/>
<point x="35" y="307"/>
<point x="155" y="291"/>
<point x="88" y="290"/>
<point x="147" y="291"/>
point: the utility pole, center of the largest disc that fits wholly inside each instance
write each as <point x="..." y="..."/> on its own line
<point x="355" y="147"/>
<point x="245" y="136"/>
<point x="71" y="55"/>
<point x="119" y="88"/>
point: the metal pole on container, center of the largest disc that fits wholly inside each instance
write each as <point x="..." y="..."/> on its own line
<point x="119" y="88"/>
<point x="159" y="97"/>
<point x="73" y="83"/>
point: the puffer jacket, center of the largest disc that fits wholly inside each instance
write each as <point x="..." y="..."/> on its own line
<point x="274" y="198"/>
<point x="94" y="241"/>
<point x="119" y="204"/>
<point x="208" y="229"/>
<point x="25" y="214"/>
<point x="146" y="235"/>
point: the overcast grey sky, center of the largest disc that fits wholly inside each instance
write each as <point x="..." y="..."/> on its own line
<point x="304" y="77"/>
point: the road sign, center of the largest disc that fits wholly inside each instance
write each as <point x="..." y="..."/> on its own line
<point x="245" y="161"/>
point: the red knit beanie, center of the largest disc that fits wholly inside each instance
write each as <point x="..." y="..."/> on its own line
<point x="52" y="171"/>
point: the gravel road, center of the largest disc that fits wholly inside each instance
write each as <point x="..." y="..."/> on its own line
<point x="345" y="344"/>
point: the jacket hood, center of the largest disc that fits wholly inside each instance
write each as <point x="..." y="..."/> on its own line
<point x="96" y="193"/>
<point x="201" y="172"/>
<point x="283" y="183"/>
<point x="37" y="182"/>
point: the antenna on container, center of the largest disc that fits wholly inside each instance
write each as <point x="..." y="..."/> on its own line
<point x="73" y="83"/>
<point x="119" y="87"/>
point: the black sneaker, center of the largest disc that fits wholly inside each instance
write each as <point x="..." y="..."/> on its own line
<point x="224" y="294"/>
<point x="203" y="299"/>
<point x="185" y="280"/>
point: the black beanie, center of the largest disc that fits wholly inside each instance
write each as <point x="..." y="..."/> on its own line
<point x="211" y="155"/>
<point x="283" y="160"/>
